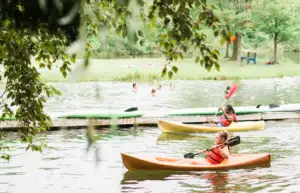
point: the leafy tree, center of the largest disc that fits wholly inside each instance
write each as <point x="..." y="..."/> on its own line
<point x="28" y="42"/>
<point x="236" y="15"/>
<point x="278" y="19"/>
<point x="34" y="35"/>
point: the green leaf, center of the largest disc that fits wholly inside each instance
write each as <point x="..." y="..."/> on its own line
<point x="217" y="67"/>
<point x="48" y="93"/>
<point x="166" y="45"/>
<point x="64" y="74"/>
<point x="170" y="74"/>
<point x="6" y="157"/>
<point x="164" y="72"/>
<point x="56" y="91"/>
<point x="161" y="43"/>
<point x="73" y="58"/>
<point x="197" y="59"/>
<point x="42" y="65"/>
<point x="216" y="33"/>
<point x="202" y="62"/>
<point x="180" y="56"/>
<point x="141" y="42"/>
<point x="174" y="69"/>
<point x="140" y="33"/>
<point x="222" y="41"/>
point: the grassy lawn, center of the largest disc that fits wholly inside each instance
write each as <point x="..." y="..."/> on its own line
<point x="119" y="70"/>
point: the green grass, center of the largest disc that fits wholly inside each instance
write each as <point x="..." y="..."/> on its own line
<point x="117" y="70"/>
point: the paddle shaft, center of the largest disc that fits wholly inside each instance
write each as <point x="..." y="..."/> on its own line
<point x="208" y="149"/>
<point x="221" y="106"/>
<point x="218" y="110"/>
<point x="231" y="142"/>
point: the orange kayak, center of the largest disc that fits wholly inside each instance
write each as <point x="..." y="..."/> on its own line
<point x="180" y="164"/>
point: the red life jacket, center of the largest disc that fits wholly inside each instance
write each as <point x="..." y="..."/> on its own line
<point x="225" y="122"/>
<point x="215" y="156"/>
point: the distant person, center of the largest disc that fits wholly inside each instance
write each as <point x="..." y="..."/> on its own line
<point x="159" y="87"/>
<point x="271" y="61"/>
<point x="134" y="87"/>
<point x="153" y="92"/>
<point x="171" y="86"/>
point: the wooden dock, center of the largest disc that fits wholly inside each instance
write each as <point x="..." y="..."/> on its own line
<point x="59" y="123"/>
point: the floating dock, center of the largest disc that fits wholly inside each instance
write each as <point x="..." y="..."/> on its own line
<point x="151" y="120"/>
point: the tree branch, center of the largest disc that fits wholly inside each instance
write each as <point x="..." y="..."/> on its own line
<point x="3" y="91"/>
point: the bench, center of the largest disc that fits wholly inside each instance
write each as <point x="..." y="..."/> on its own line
<point x="251" y="56"/>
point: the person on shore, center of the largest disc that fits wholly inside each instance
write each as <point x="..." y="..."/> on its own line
<point x="271" y="61"/>
<point x="227" y="117"/>
<point x="218" y="152"/>
<point x="134" y="87"/>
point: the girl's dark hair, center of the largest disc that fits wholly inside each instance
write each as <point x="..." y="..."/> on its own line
<point x="223" y="134"/>
<point x="230" y="108"/>
<point x="133" y="85"/>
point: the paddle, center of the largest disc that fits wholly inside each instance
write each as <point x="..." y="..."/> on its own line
<point x="271" y="106"/>
<point x="131" y="109"/>
<point x="230" y="142"/>
<point x="229" y="93"/>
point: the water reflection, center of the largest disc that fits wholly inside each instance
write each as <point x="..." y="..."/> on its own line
<point x="66" y="166"/>
<point x="216" y="180"/>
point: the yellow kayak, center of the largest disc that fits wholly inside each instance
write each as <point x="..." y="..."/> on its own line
<point x="178" y="164"/>
<point x="173" y="126"/>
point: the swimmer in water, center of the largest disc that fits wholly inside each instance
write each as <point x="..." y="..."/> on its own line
<point x="153" y="92"/>
<point x="134" y="87"/>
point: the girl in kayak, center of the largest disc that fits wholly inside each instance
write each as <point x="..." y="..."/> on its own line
<point x="227" y="117"/>
<point x="219" y="151"/>
<point x="216" y="154"/>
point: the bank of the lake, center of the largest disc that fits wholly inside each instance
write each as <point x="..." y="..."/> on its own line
<point x="149" y="69"/>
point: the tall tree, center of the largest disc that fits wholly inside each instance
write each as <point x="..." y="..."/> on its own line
<point x="278" y="19"/>
<point x="236" y="14"/>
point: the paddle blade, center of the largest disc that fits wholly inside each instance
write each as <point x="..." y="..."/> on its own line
<point x="233" y="141"/>
<point x="131" y="109"/>
<point x="189" y="155"/>
<point x="273" y="106"/>
<point x="231" y="91"/>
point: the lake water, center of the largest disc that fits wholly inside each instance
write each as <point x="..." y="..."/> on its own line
<point x="66" y="166"/>
<point x="186" y="94"/>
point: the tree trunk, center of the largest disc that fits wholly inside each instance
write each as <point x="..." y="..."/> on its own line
<point x="275" y="47"/>
<point x="236" y="52"/>
<point x="227" y="50"/>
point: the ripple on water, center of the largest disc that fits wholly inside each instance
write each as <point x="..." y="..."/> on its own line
<point x="67" y="166"/>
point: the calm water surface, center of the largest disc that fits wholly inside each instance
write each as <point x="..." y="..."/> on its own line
<point x="66" y="166"/>
<point x="186" y="94"/>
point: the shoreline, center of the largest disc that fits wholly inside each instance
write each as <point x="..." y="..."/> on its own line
<point x="149" y="69"/>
